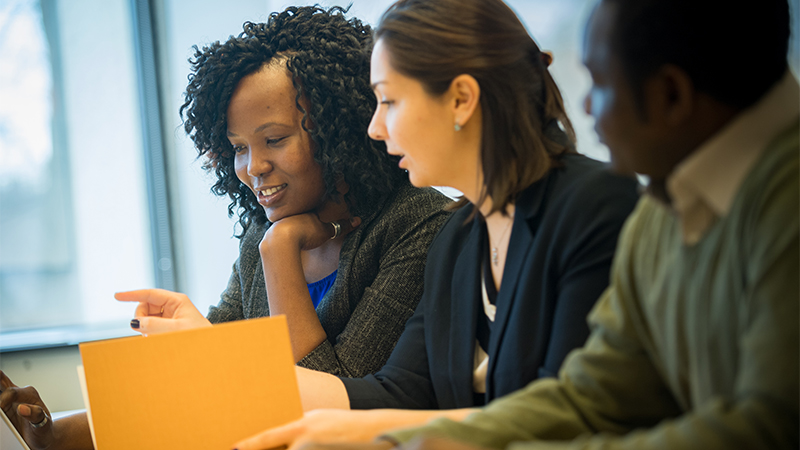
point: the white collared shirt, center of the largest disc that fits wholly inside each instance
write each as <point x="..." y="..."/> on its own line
<point x="703" y="186"/>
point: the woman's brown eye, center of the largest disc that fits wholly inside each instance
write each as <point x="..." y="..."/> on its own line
<point x="275" y="141"/>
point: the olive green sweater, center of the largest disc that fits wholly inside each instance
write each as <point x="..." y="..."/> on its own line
<point x="692" y="347"/>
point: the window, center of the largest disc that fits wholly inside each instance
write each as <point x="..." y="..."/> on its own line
<point x="74" y="217"/>
<point x="82" y="191"/>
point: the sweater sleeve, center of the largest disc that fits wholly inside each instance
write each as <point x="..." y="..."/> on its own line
<point x="380" y="315"/>
<point x="231" y="306"/>
<point x="404" y="382"/>
<point x="762" y="411"/>
<point x="246" y="283"/>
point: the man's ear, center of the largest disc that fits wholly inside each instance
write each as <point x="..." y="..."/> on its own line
<point x="670" y="96"/>
<point x="464" y="97"/>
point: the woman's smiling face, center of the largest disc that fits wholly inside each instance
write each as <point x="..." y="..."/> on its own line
<point x="274" y="156"/>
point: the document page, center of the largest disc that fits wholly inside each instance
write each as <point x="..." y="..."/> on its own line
<point x="203" y="388"/>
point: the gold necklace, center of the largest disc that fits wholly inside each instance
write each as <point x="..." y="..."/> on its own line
<point x="500" y="241"/>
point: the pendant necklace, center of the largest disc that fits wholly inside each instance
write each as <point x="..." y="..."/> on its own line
<point x="500" y="241"/>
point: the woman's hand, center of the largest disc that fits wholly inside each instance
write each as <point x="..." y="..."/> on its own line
<point x="160" y="310"/>
<point x="307" y="231"/>
<point x="312" y="229"/>
<point x="321" y="425"/>
<point x="422" y="443"/>
<point x="379" y="445"/>
<point x="27" y="412"/>
<point x="337" y="426"/>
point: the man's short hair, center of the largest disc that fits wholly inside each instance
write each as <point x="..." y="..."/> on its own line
<point x="733" y="51"/>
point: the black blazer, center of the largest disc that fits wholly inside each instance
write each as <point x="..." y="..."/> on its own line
<point x="559" y="258"/>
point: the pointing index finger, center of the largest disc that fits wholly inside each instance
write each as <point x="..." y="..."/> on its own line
<point x="151" y="301"/>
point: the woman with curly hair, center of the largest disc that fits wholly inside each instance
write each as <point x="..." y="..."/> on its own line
<point x="334" y="235"/>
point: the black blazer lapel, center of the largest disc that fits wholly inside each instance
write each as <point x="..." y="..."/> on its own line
<point x="528" y="212"/>
<point x="464" y="306"/>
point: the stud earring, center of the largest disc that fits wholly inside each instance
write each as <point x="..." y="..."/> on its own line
<point x="457" y="127"/>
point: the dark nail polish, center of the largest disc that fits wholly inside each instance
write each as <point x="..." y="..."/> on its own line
<point x="135" y="324"/>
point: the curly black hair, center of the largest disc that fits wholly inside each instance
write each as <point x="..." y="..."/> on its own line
<point x="328" y="57"/>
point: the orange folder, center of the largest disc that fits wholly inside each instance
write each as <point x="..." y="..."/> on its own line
<point x="205" y="388"/>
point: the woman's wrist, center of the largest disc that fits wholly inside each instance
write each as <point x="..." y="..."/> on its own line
<point x="278" y="247"/>
<point x="72" y="433"/>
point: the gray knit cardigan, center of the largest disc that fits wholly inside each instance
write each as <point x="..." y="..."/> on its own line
<point x="377" y="288"/>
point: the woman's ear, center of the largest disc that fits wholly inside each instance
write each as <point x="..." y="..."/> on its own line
<point x="464" y="96"/>
<point x="341" y="185"/>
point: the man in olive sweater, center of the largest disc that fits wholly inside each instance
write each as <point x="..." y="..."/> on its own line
<point x="695" y="343"/>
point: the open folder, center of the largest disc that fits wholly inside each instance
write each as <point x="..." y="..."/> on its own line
<point x="205" y="388"/>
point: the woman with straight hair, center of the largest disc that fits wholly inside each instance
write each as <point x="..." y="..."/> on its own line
<point x="465" y="100"/>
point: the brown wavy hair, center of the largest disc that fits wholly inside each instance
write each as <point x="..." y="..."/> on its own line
<point x="525" y="125"/>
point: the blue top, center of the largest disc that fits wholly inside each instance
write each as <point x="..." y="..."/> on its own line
<point x="318" y="289"/>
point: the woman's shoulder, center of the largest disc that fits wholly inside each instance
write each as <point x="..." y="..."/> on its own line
<point x="586" y="193"/>
<point x="587" y="179"/>
<point x="576" y="165"/>
<point x="408" y="215"/>
<point x="455" y="230"/>
<point x="413" y="205"/>
<point x="253" y="233"/>
<point x="424" y="199"/>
